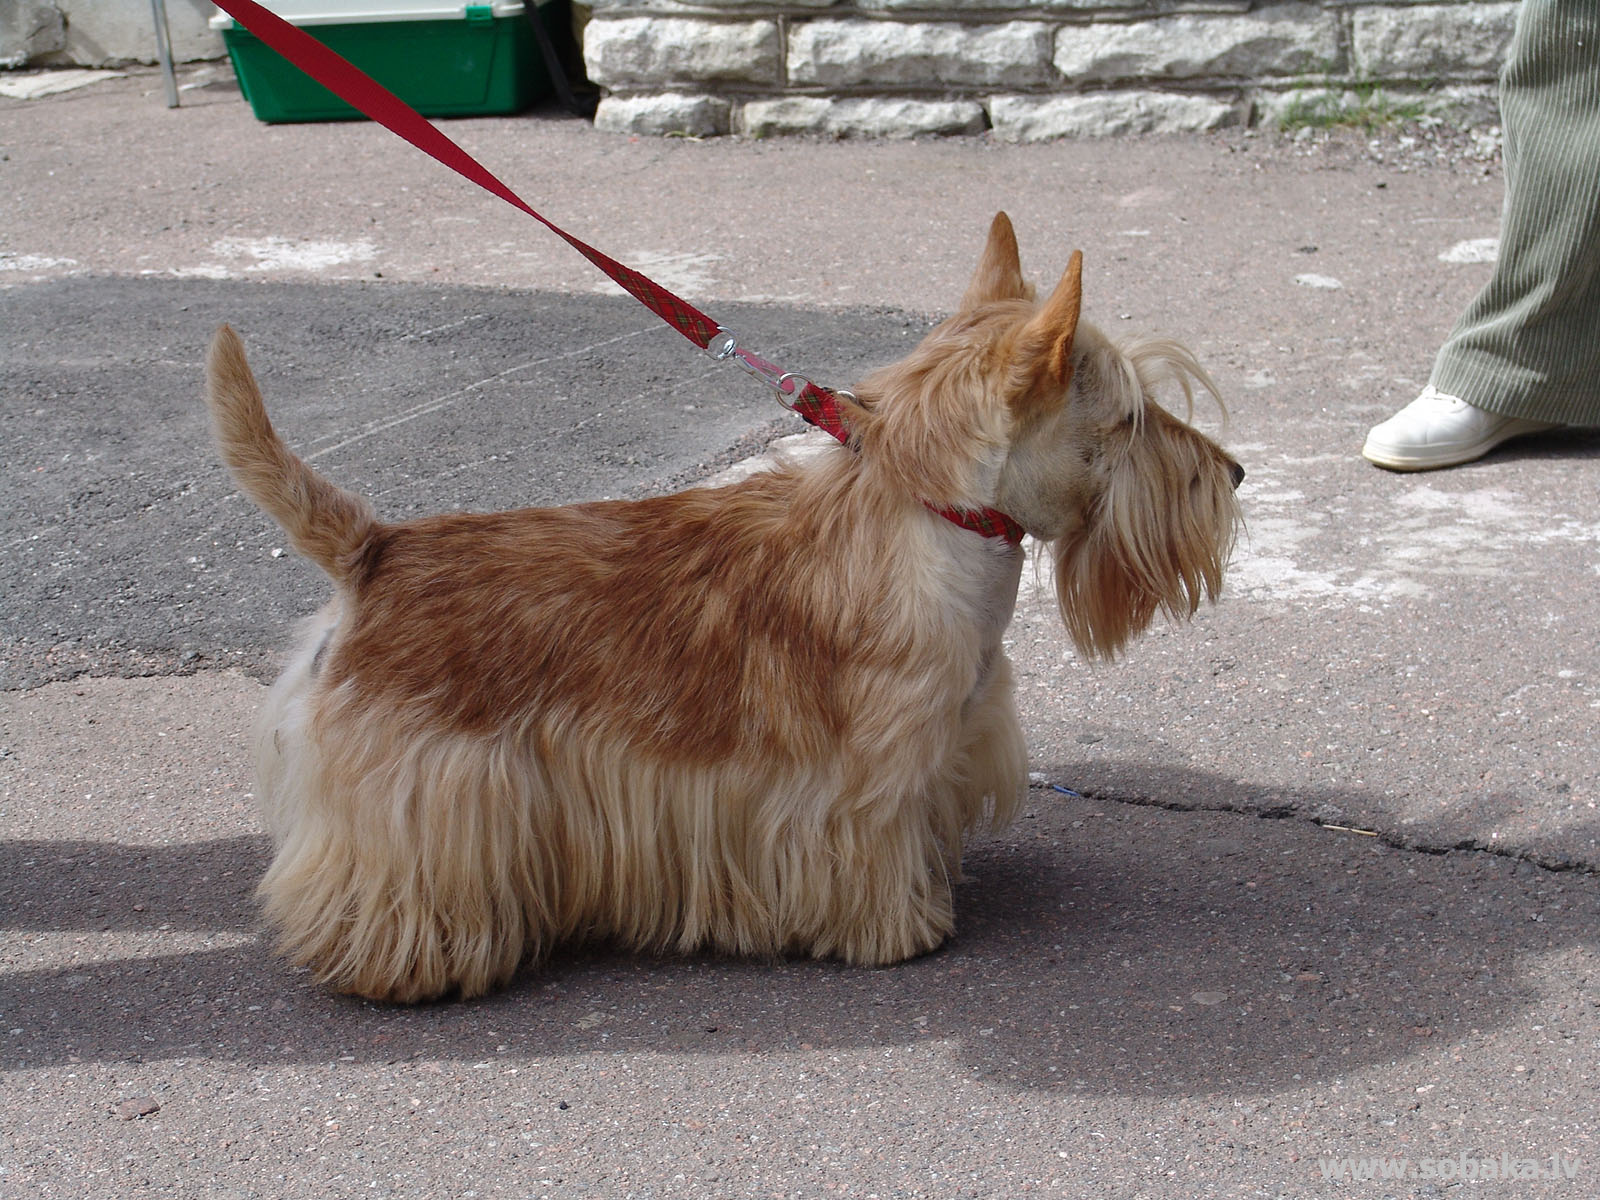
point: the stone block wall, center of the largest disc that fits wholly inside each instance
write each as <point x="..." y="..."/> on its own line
<point x="1033" y="69"/>
<point x="101" y="33"/>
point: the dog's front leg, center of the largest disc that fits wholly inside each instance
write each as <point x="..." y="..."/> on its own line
<point x="897" y="852"/>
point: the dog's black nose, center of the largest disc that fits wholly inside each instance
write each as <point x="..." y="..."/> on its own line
<point x="1238" y="476"/>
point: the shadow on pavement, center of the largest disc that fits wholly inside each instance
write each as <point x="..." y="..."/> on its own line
<point x="1101" y="946"/>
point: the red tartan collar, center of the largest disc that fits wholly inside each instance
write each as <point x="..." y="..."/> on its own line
<point x="819" y="406"/>
<point x="990" y="522"/>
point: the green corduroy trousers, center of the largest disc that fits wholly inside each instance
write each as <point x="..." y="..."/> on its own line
<point x="1529" y="344"/>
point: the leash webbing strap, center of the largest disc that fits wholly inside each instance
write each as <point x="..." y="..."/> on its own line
<point x="814" y="404"/>
<point x="366" y="94"/>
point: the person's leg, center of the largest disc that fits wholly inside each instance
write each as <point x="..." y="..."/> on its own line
<point x="1526" y="353"/>
<point x="1529" y="345"/>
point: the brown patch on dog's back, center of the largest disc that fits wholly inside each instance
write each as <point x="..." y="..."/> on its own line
<point x="481" y="620"/>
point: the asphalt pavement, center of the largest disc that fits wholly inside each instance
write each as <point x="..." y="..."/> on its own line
<point x="1303" y="889"/>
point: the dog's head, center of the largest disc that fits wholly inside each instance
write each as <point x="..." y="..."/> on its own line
<point x="1020" y="406"/>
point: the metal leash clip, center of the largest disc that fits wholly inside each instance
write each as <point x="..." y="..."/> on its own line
<point x="789" y="385"/>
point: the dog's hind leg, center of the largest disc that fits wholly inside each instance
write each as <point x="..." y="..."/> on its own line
<point x="409" y="874"/>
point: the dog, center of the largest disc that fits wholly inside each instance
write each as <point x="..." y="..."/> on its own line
<point x="757" y="720"/>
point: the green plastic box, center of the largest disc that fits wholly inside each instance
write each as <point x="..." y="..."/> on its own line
<point x="443" y="59"/>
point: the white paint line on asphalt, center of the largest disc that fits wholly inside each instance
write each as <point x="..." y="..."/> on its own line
<point x="1475" y="250"/>
<point x="687" y="273"/>
<point x="34" y="264"/>
<point x="1295" y="553"/>
<point x="50" y="83"/>
<point x="362" y="432"/>
<point x="274" y="253"/>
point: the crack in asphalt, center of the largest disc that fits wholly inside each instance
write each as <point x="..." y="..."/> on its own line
<point x="1287" y="812"/>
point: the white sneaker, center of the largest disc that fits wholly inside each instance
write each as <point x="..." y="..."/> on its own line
<point x="1436" y="430"/>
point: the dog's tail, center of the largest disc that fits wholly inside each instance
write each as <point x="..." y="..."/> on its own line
<point x="326" y="524"/>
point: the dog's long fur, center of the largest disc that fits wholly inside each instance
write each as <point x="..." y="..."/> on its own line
<point x="759" y="719"/>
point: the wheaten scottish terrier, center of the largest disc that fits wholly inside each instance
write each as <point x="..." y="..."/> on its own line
<point x="757" y="719"/>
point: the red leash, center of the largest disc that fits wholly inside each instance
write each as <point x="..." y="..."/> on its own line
<point x="815" y="404"/>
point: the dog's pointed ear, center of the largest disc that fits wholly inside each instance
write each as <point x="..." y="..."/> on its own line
<point x="1048" y="336"/>
<point x="999" y="273"/>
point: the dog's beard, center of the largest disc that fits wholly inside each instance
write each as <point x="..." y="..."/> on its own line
<point x="1158" y="541"/>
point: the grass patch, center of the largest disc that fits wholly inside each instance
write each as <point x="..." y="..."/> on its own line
<point x="1364" y="106"/>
